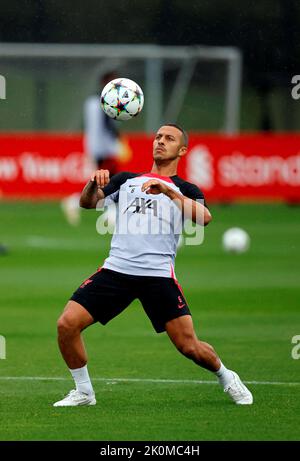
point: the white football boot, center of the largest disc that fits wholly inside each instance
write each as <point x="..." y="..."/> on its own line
<point x="238" y="391"/>
<point x="76" y="398"/>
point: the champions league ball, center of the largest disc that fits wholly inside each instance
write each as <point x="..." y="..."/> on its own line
<point x="235" y="240"/>
<point x="122" y="99"/>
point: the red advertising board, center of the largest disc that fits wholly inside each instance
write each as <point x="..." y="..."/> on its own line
<point x="226" y="168"/>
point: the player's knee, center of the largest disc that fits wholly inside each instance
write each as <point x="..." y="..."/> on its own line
<point x="66" y="326"/>
<point x="187" y="347"/>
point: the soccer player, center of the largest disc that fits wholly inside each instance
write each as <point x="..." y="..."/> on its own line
<point x="101" y="134"/>
<point x="141" y="265"/>
<point x="101" y="144"/>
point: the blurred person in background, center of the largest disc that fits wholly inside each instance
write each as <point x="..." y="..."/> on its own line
<point x="101" y="135"/>
<point x="101" y="143"/>
<point x="3" y="249"/>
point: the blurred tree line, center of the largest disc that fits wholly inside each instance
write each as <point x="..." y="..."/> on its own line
<point x="265" y="30"/>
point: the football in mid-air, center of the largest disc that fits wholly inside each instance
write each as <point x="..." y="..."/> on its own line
<point x="235" y="240"/>
<point x="122" y="99"/>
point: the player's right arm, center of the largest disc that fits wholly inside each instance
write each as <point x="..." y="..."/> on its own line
<point x="92" y="191"/>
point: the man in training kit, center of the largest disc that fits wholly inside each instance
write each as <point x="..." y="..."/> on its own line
<point x="141" y="265"/>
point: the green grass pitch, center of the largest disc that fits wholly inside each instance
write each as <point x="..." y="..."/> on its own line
<point x="246" y="306"/>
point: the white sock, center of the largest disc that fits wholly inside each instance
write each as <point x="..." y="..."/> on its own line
<point x="224" y="375"/>
<point x="82" y="380"/>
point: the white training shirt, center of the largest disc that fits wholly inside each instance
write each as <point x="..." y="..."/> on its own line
<point x="148" y="226"/>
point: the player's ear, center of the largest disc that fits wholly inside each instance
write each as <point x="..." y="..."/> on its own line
<point x="182" y="151"/>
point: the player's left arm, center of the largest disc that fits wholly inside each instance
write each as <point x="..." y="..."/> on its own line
<point x="191" y="207"/>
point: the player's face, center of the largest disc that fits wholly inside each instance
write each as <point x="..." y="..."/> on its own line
<point x="167" y="144"/>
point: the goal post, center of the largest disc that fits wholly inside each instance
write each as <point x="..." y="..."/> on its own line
<point x="44" y="74"/>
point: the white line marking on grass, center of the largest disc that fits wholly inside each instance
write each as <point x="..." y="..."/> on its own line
<point x="142" y="380"/>
<point x="52" y="243"/>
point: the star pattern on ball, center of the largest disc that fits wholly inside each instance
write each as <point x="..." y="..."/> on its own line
<point x="122" y="99"/>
